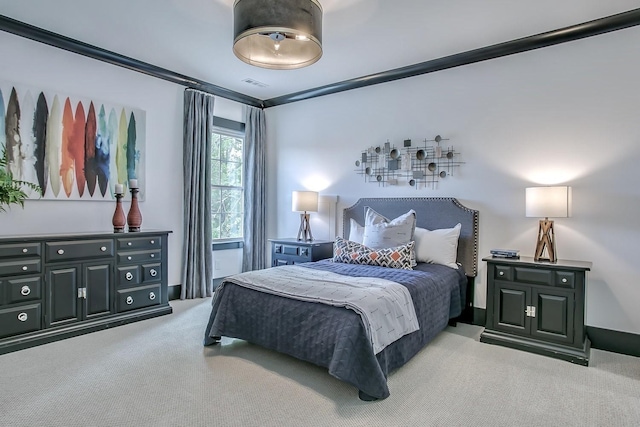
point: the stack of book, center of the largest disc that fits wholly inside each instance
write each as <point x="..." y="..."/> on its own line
<point x="505" y="253"/>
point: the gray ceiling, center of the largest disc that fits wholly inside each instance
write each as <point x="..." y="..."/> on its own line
<point x="360" y="37"/>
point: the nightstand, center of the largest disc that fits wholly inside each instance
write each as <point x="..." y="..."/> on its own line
<point x="293" y="251"/>
<point x="538" y="307"/>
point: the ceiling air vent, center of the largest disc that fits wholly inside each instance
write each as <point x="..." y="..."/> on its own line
<point x="255" y="82"/>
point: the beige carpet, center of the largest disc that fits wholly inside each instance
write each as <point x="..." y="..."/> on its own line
<point x="156" y="373"/>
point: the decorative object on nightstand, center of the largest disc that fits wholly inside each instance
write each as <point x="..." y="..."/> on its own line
<point x="538" y="307"/>
<point x="119" y="220"/>
<point x="293" y="251"/>
<point x="547" y="202"/>
<point x="304" y="201"/>
<point x="134" y="218"/>
<point x="505" y="253"/>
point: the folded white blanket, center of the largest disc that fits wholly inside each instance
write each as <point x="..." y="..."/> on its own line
<point x="386" y="307"/>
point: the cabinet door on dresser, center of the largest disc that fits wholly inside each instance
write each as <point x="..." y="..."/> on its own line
<point x="97" y="282"/>
<point x="62" y="295"/>
<point x="510" y="308"/>
<point x="77" y="292"/>
<point x="542" y="313"/>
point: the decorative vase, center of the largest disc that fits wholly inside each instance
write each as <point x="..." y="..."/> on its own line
<point x="134" y="218"/>
<point x="119" y="221"/>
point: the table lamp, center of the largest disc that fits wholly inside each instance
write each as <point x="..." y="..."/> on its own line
<point x="304" y="201"/>
<point x="547" y="202"/>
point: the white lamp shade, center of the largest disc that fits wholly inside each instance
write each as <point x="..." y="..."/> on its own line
<point x="545" y="202"/>
<point x="304" y="201"/>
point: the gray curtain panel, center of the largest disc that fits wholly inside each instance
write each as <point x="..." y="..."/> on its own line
<point x="255" y="236"/>
<point x="197" y="256"/>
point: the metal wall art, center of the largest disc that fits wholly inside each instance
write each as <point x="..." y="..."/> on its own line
<point x="420" y="165"/>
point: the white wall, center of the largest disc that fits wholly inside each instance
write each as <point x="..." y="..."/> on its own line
<point x="38" y="65"/>
<point x="562" y="115"/>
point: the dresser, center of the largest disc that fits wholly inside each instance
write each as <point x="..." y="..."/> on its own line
<point x="538" y="307"/>
<point x="58" y="286"/>
<point x="293" y="251"/>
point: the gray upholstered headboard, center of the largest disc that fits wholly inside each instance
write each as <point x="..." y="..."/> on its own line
<point x="431" y="213"/>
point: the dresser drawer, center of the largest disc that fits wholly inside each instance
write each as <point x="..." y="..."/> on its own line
<point x="20" y="266"/>
<point x="13" y="250"/>
<point x="20" y="320"/>
<point x="22" y="290"/>
<point x="299" y="251"/>
<point x="131" y="299"/>
<point x="565" y="279"/>
<point x="80" y="249"/>
<point x="128" y="276"/>
<point x="151" y="273"/>
<point x="503" y="272"/>
<point x="139" y="256"/>
<point x="136" y="243"/>
<point x="537" y="276"/>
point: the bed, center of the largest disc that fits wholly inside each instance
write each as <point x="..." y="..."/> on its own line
<point x="335" y="337"/>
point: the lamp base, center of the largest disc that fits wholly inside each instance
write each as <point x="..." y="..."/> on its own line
<point x="304" y="233"/>
<point x="546" y="240"/>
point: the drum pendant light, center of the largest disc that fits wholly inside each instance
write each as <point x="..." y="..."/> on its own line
<point x="277" y="34"/>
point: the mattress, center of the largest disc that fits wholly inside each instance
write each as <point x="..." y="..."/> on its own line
<point x="335" y="337"/>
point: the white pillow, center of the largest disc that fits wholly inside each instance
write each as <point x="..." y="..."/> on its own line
<point x="379" y="232"/>
<point x="437" y="246"/>
<point x="356" y="231"/>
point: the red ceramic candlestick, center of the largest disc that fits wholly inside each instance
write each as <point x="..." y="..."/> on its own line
<point x="119" y="220"/>
<point x="134" y="218"/>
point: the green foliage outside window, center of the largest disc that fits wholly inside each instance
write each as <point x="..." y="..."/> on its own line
<point x="227" y="208"/>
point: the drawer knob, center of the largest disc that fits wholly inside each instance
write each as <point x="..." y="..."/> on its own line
<point x="23" y="317"/>
<point x="129" y="300"/>
<point x="25" y="268"/>
<point x="129" y="243"/>
<point x="501" y="273"/>
<point x="153" y="272"/>
<point x="128" y="276"/>
<point x="25" y="250"/>
<point x="103" y="248"/>
<point x="152" y="296"/>
<point x="564" y="280"/>
<point x="25" y="290"/>
<point x="129" y="258"/>
<point x="60" y="251"/>
<point x="153" y="241"/>
<point x="152" y="255"/>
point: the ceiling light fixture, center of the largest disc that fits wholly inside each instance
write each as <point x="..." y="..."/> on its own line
<point x="277" y="34"/>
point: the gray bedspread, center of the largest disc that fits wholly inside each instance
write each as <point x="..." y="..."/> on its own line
<point x="334" y="337"/>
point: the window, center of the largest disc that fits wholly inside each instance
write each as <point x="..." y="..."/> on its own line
<point x="227" y="205"/>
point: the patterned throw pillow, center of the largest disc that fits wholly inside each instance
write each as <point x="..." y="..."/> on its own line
<point x="349" y="252"/>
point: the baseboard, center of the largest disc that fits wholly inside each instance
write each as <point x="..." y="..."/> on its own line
<point x="479" y="316"/>
<point x="174" y="292"/>
<point x="614" y="341"/>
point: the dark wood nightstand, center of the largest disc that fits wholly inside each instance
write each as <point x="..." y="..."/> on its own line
<point x="538" y="307"/>
<point x="293" y="251"/>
